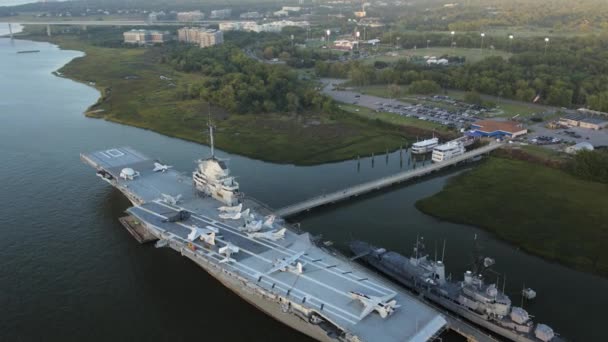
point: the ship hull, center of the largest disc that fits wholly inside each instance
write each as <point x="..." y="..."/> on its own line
<point x="446" y="303"/>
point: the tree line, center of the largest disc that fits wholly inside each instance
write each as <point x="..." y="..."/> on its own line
<point x="234" y="81"/>
<point x="573" y="71"/>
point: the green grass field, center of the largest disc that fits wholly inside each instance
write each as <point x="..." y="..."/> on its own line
<point x="543" y="210"/>
<point x="471" y="55"/>
<point x="134" y="94"/>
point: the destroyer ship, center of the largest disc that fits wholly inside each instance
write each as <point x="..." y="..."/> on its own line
<point x="480" y="303"/>
<point x="284" y="272"/>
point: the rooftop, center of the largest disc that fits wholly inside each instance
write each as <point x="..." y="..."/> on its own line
<point x="586" y="118"/>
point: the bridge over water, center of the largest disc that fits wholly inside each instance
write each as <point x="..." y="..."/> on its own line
<point x="381" y="183"/>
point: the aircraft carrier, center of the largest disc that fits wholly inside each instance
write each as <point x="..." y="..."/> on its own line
<point x="280" y="270"/>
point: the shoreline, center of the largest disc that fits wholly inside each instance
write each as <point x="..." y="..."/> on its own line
<point x="550" y="240"/>
<point x="373" y="138"/>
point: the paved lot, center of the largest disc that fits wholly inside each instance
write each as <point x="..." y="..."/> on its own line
<point x="452" y="118"/>
<point x="596" y="138"/>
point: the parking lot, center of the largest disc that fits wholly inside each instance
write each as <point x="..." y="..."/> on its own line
<point x="460" y="116"/>
<point x="570" y="135"/>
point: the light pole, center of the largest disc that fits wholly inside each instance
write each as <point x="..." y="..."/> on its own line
<point x="398" y="39"/>
<point x="453" y="33"/>
<point x="428" y="41"/>
<point x="546" y="44"/>
<point x="510" y="42"/>
<point x="292" y="42"/>
<point x="328" y="32"/>
<point x="357" y="35"/>
<point x="482" y="36"/>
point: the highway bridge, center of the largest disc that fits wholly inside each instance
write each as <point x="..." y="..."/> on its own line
<point x="114" y="22"/>
<point x="381" y="183"/>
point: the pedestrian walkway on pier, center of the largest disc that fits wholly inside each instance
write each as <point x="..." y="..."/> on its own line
<point x="381" y="183"/>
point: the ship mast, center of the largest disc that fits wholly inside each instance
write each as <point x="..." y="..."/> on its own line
<point x="211" y="142"/>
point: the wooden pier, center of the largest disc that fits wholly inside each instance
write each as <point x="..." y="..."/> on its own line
<point x="137" y="229"/>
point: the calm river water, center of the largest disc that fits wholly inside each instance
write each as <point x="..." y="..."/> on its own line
<point x="69" y="271"/>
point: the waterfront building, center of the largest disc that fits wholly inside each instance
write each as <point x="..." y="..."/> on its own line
<point x="497" y="129"/>
<point x="142" y="37"/>
<point x="190" y="16"/>
<point x="200" y="36"/>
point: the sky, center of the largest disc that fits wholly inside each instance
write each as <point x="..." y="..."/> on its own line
<point x="14" y="2"/>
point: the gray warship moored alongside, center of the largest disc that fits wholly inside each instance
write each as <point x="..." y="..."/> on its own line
<point x="280" y="270"/>
<point x="480" y="303"/>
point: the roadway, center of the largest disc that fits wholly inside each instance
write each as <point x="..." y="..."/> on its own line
<point x="113" y="22"/>
<point x="381" y="183"/>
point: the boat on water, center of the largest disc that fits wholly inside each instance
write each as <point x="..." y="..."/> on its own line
<point x="425" y="146"/>
<point x="289" y="275"/>
<point x="447" y="151"/>
<point x="28" y="51"/>
<point x="471" y="298"/>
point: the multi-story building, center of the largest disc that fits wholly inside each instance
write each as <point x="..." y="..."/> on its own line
<point x="277" y="26"/>
<point x="221" y="14"/>
<point x="239" y="26"/>
<point x="200" y="36"/>
<point x="190" y="16"/>
<point x="142" y="37"/>
<point x="250" y="15"/>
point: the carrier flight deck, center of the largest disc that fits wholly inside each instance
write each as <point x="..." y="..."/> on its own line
<point x="282" y="271"/>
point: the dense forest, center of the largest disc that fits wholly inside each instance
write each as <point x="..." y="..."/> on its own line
<point x="475" y="15"/>
<point x="240" y="84"/>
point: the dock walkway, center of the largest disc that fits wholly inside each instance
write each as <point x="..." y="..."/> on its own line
<point x="378" y="184"/>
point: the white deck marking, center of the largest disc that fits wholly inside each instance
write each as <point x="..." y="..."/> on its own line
<point x="376" y="287"/>
<point x="115" y="153"/>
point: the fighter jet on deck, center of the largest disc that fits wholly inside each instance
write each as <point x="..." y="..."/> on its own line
<point x="170" y="199"/>
<point x="234" y="216"/>
<point x="227" y="251"/>
<point x="378" y="304"/>
<point x="158" y="167"/>
<point x="289" y="264"/>
<point x="202" y="233"/>
<point x="273" y="235"/>
<point x="234" y="209"/>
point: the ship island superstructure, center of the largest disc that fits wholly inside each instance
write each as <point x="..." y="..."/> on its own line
<point x="280" y="270"/>
<point x="481" y="303"/>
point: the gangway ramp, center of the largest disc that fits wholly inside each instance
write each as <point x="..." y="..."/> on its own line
<point x="381" y="183"/>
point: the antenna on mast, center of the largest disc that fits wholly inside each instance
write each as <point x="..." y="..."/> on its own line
<point x="212" y="143"/>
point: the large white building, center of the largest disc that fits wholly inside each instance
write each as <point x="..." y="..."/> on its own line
<point x="200" y="36"/>
<point x="190" y="16"/>
<point x="250" y="15"/>
<point x="275" y="26"/>
<point x="239" y="26"/>
<point x="221" y="14"/>
<point x="142" y="37"/>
